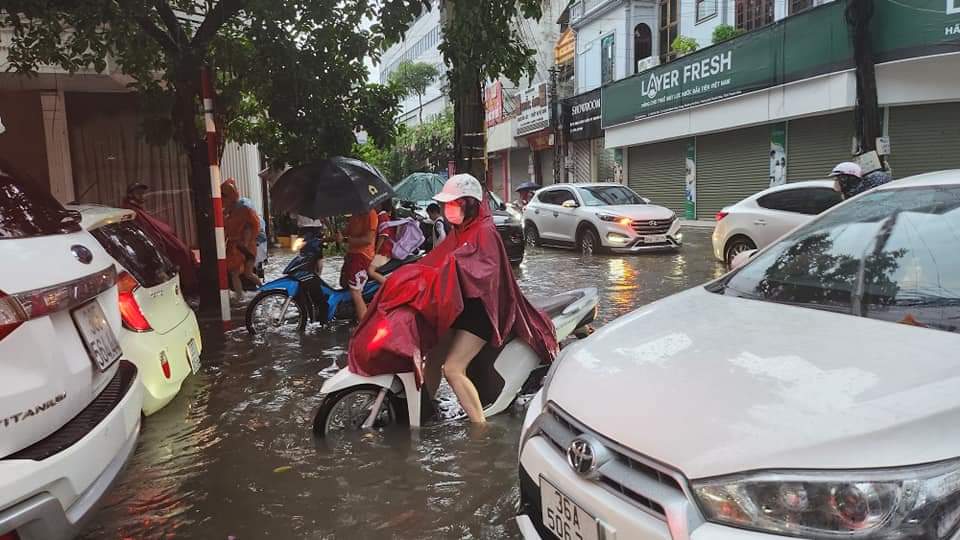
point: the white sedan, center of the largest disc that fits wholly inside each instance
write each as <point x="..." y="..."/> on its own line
<point x="758" y="220"/>
<point x="599" y="217"/>
<point x="811" y="393"/>
<point x="160" y="332"/>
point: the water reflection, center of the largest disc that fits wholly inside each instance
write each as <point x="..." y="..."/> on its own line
<point x="234" y="453"/>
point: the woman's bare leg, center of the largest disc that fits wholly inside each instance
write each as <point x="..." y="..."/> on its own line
<point x="463" y="349"/>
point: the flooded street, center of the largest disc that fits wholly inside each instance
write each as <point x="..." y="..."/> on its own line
<point x="234" y="454"/>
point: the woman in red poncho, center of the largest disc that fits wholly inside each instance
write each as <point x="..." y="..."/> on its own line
<point x="465" y="286"/>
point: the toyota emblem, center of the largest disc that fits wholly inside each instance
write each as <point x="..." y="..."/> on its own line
<point x="653" y="223"/>
<point x="82" y="253"/>
<point x="585" y="455"/>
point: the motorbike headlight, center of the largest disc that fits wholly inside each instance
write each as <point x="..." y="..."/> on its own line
<point x="920" y="503"/>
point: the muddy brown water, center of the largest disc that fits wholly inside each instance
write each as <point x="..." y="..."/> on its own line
<point x="234" y="455"/>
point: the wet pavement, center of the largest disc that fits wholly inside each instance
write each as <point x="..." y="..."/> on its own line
<point x="234" y="455"/>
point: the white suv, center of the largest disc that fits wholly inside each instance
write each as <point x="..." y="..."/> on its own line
<point x="599" y="217"/>
<point x="69" y="406"/>
<point x="812" y="393"/>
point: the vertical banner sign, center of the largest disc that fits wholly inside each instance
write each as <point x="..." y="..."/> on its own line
<point x="493" y="104"/>
<point x="690" y="206"/>
<point x="618" y="165"/>
<point x="778" y="154"/>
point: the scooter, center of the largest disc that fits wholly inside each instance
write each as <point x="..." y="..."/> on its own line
<point x="300" y="295"/>
<point x="352" y="402"/>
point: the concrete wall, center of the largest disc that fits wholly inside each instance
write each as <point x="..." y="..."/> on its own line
<point x="23" y="145"/>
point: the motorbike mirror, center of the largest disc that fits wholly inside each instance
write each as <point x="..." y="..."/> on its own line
<point x="570" y="203"/>
<point x="742" y="258"/>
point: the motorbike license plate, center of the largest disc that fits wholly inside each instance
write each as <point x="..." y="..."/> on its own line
<point x="193" y="354"/>
<point x="655" y="239"/>
<point x="102" y="346"/>
<point x="565" y="518"/>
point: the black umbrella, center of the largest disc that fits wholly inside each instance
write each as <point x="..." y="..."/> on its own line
<point x="330" y="187"/>
<point x="527" y="186"/>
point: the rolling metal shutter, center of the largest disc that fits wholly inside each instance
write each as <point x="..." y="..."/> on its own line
<point x="605" y="162"/>
<point x="815" y="145"/>
<point x="581" y="162"/>
<point x="730" y="167"/>
<point x="924" y="138"/>
<point x="657" y="172"/>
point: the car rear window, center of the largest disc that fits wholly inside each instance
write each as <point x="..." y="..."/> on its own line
<point x="892" y="255"/>
<point x="27" y="210"/>
<point x="137" y="252"/>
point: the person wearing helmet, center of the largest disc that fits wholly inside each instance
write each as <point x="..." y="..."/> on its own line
<point x="850" y="181"/>
<point x="462" y="294"/>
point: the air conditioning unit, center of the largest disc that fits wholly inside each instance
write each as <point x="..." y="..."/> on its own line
<point x="649" y="62"/>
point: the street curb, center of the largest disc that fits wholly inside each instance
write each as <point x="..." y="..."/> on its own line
<point x="697" y="224"/>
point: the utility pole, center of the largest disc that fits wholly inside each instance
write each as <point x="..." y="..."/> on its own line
<point x="556" y="121"/>
<point x="867" y="115"/>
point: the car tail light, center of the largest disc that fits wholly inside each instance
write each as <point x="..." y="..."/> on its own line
<point x="10" y="536"/>
<point x="164" y="364"/>
<point x="12" y="316"/>
<point x="721" y="214"/>
<point x="133" y="318"/>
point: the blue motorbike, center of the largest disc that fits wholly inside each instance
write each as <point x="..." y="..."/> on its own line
<point x="300" y="295"/>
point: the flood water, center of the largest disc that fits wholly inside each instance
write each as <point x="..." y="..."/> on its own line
<point x="234" y="455"/>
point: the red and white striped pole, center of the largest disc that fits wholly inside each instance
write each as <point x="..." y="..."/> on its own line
<point x="215" y="180"/>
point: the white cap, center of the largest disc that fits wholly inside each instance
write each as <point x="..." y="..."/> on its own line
<point x="458" y="187"/>
<point x="847" y="167"/>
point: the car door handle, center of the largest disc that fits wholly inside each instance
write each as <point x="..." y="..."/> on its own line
<point x="760" y="222"/>
<point x="556" y="214"/>
<point x="537" y="212"/>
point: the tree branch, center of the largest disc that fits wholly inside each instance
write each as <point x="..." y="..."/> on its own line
<point x="215" y="18"/>
<point x="170" y="21"/>
<point x="147" y="25"/>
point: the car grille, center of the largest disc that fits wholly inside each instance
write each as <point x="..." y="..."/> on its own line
<point x="628" y="470"/>
<point x="83" y="423"/>
<point x="651" y="227"/>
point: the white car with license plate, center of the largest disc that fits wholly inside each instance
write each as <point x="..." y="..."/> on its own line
<point x="811" y="393"/>
<point x="160" y="333"/>
<point x="758" y="220"/>
<point x="69" y="405"/>
<point x="599" y="217"/>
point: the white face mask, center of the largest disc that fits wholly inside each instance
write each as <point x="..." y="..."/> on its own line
<point x="453" y="212"/>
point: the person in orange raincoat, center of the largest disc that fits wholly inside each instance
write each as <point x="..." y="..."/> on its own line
<point x="241" y="227"/>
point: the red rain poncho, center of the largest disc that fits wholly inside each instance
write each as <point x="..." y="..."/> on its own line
<point x="420" y="301"/>
<point x="173" y="247"/>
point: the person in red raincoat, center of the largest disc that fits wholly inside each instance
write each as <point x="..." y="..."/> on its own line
<point x="174" y="248"/>
<point x="464" y="286"/>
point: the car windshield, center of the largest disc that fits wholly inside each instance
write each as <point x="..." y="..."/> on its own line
<point x="137" y="252"/>
<point x="27" y="210"/>
<point x="608" y="195"/>
<point x="892" y="255"/>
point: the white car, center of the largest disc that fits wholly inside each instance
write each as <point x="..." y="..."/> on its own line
<point x="69" y="405"/>
<point x="811" y="393"/>
<point x="160" y="332"/>
<point x="758" y="220"/>
<point x="599" y="217"/>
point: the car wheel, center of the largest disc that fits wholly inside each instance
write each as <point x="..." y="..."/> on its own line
<point x="271" y="311"/>
<point x="531" y="234"/>
<point x="588" y="241"/>
<point x="736" y="246"/>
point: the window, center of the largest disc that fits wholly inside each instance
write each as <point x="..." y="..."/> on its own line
<point x="892" y="255"/>
<point x="669" y="28"/>
<point x="555" y="196"/>
<point x="642" y="43"/>
<point x="810" y="201"/>
<point x="607" y="59"/>
<point x="796" y="6"/>
<point x="752" y="14"/>
<point x="137" y="252"/>
<point x="27" y="210"/>
<point x="608" y="195"/>
<point x="706" y="9"/>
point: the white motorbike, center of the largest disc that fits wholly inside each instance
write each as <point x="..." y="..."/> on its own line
<point x="353" y="402"/>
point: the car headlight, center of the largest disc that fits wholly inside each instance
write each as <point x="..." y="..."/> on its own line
<point x="625" y="221"/>
<point x="548" y="378"/>
<point x="906" y="503"/>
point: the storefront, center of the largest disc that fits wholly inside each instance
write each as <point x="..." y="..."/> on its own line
<point x="776" y="105"/>
<point x="587" y="159"/>
<point x="535" y="128"/>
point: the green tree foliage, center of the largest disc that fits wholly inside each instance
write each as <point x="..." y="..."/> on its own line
<point x="413" y="79"/>
<point x="684" y="45"/>
<point x="723" y="32"/>
<point x="426" y="147"/>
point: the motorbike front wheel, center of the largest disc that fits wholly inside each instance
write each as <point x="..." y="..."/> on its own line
<point x="348" y="409"/>
<point x="271" y="311"/>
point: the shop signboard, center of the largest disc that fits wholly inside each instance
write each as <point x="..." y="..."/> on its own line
<point x="533" y="112"/>
<point x="798" y="47"/>
<point x="581" y="116"/>
<point x="493" y="103"/>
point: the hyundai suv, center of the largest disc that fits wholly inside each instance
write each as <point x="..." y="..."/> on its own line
<point x="69" y="405"/>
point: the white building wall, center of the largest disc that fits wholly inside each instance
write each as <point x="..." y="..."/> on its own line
<point x="419" y="44"/>
<point x="242" y="163"/>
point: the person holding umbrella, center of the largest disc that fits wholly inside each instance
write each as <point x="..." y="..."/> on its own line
<point x="526" y="191"/>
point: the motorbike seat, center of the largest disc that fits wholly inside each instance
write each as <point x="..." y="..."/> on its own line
<point x="393" y="264"/>
<point x="554" y="305"/>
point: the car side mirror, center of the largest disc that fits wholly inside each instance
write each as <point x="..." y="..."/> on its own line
<point x="645" y="200"/>
<point x="742" y="258"/>
<point x="569" y="203"/>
